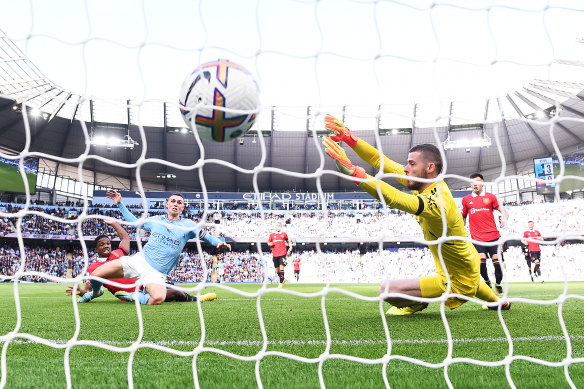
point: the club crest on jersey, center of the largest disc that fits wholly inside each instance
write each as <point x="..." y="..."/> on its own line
<point x="486" y="201"/>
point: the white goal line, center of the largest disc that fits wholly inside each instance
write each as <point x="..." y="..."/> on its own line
<point x="353" y="342"/>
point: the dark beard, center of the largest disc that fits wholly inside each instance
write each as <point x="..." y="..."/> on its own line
<point x="416" y="185"/>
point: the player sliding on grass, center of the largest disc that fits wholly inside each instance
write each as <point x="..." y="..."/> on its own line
<point x="460" y="257"/>
<point x="160" y="254"/>
<point x="103" y="247"/>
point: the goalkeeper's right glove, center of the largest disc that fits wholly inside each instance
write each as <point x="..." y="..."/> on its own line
<point x="341" y="133"/>
<point x="343" y="163"/>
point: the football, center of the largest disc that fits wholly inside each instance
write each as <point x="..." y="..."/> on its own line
<point x="214" y="97"/>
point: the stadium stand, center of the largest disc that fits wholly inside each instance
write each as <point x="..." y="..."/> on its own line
<point x="48" y="242"/>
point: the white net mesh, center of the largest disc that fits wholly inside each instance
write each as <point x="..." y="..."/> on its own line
<point x="505" y="73"/>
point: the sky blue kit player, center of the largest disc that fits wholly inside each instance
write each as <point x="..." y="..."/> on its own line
<point x="168" y="236"/>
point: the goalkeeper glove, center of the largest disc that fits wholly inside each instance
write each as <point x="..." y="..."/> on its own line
<point x="343" y="163"/>
<point x="341" y="133"/>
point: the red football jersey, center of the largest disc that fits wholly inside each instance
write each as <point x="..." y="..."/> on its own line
<point x="120" y="252"/>
<point x="532" y="246"/>
<point x="296" y="263"/>
<point x="278" y="240"/>
<point x="481" y="220"/>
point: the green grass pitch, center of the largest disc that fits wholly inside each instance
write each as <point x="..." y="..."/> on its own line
<point x="294" y="325"/>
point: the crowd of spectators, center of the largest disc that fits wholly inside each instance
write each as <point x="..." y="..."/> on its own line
<point x="551" y="219"/>
<point x="559" y="263"/>
<point x="233" y="266"/>
<point x="562" y="219"/>
<point x="50" y="261"/>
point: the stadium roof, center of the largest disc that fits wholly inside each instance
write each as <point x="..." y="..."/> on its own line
<point x="544" y="117"/>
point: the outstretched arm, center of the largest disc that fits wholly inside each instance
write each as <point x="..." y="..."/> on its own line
<point x="80" y="291"/>
<point x="393" y="197"/>
<point x="122" y="233"/>
<point x="213" y="240"/>
<point x="116" y="197"/>
<point x="364" y="150"/>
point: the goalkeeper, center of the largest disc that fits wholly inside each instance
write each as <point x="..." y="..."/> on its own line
<point x="461" y="259"/>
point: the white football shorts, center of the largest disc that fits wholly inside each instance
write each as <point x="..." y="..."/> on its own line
<point x="136" y="266"/>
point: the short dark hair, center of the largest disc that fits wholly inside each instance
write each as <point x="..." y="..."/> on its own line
<point x="477" y="175"/>
<point x="98" y="238"/>
<point x="176" y="194"/>
<point x="430" y="153"/>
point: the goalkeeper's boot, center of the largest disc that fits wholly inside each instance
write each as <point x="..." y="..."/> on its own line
<point x="396" y="311"/>
<point x="124" y="296"/>
<point x="499" y="290"/>
<point x="282" y="284"/>
<point x="87" y="297"/>
<point x="505" y="307"/>
<point x="208" y="297"/>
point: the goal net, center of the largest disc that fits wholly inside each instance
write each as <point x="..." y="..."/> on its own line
<point x="90" y="102"/>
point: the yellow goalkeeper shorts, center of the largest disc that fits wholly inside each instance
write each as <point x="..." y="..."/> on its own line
<point x="435" y="286"/>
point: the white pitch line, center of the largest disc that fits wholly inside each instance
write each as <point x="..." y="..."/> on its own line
<point x="357" y="342"/>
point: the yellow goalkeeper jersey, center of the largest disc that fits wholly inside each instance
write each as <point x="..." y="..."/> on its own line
<point x="460" y="257"/>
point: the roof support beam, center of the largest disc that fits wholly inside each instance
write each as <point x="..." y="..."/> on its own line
<point x="32" y="96"/>
<point x="129" y="151"/>
<point x="59" y="107"/>
<point x="573" y="110"/>
<point x="165" y="145"/>
<point x="413" y="126"/>
<point x="516" y="107"/>
<point x="504" y="124"/>
<point x="539" y="109"/>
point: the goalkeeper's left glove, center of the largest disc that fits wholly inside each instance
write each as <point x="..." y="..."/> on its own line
<point x="341" y="133"/>
<point x="343" y="163"/>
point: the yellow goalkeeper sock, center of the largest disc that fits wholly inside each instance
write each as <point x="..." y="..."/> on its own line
<point x="485" y="293"/>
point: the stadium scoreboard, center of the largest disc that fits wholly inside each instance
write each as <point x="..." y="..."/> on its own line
<point x="544" y="175"/>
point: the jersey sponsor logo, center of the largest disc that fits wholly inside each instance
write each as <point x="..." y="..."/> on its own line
<point x="474" y="210"/>
<point x="165" y="240"/>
